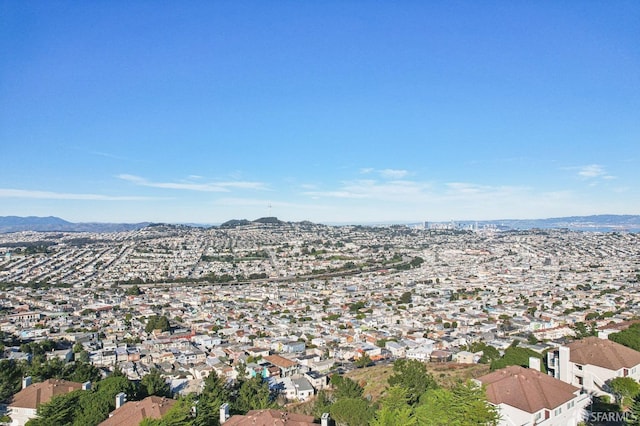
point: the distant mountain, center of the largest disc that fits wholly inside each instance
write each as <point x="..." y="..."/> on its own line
<point x="243" y="222"/>
<point x="233" y="223"/>
<point x="583" y="223"/>
<point x="53" y="224"/>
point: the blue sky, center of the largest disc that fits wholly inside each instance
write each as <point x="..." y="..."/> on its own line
<point x="332" y="111"/>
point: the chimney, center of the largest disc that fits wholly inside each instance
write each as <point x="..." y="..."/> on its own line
<point x="325" y="419"/>
<point x="86" y="386"/>
<point x="121" y="398"/>
<point x="224" y="412"/>
<point x="534" y="363"/>
<point x="563" y="364"/>
<point x="26" y="381"/>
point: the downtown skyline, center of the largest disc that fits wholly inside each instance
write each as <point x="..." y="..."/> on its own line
<point x="336" y="112"/>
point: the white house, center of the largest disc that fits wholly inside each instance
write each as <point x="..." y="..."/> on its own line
<point x="526" y="396"/>
<point x="590" y="363"/>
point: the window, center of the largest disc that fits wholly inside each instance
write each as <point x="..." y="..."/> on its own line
<point x="557" y="411"/>
<point x="538" y="417"/>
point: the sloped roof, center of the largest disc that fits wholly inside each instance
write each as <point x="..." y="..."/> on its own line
<point x="280" y="361"/>
<point x="133" y="412"/>
<point x="40" y="393"/>
<point x="603" y="353"/>
<point x="270" y="418"/>
<point x="526" y="389"/>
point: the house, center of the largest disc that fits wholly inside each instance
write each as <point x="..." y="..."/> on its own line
<point x="527" y="396"/>
<point x="318" y="381"/>
<point x="465" y="357"/>
<point x="133" y="412"/>
<point x="591" y="362"/>
<point x="24" y="404"/>
<point x="286" y="366"/>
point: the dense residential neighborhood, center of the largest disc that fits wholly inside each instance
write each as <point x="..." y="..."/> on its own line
<point x="291" y="305"/>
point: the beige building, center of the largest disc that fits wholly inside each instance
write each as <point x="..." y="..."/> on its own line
<point x="24" y="404"/>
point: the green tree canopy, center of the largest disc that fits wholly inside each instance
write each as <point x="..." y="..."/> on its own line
<point x="352" y="411"/>
<point x="465" y="404"/>
<point x="345" y="387"/>
<point x="413" y="376"/>
<point x="515" y="355"/>
<point x="395" y="409"/>
<point x="157" y="322"/>
<point x="629" y="337"/>
<point x="154" y="384"/>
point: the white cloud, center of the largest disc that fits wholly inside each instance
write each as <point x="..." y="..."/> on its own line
<point x="49" y="195"/>
<point x="393" y="173"/>
<point x="593" y="171"/>
<point x="192" y="186"/>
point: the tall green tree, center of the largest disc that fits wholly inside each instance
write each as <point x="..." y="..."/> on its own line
<point x="60" y="410"/>
<point x="413" y="376"/>
<point x="214" y="394"/>
<point x="352" y="411"/>
<point x="254" y="394"/>
<point x="625" y="389"/>
<point x="395" y="409"/>
<point x="11" y="373"/>
<point x="345" y="387"/>
<point x="465" y="405"/>
<point x="154" y="384"/>
<point x="322" y="404"/>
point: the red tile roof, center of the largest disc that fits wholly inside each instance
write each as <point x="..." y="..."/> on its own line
<point x="526" y="389"/>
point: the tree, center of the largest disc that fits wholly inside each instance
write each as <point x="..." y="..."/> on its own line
<point x="134" y="290"/>
<point x="625" y="388"/>
<point x="405" y="297"/>
<point x="11" y="373"/>
<point x="322" y="404"/>
<point x="157" y="322"/>
<point x="178" y="415"/>
<point x="60" y="410"/>
<point x="154" y="384"/>
<point x="214" y="394"/>
<point x="395" y="409"/>
<point x="412" y="375"/>
<point x="629" y="337"/>
<point x="352" y="411"/>
<point x="515" y="355"/>
<point x="254" y="394"/>
<point x="345" y="387"/>
<point x="465" y="404"/>
<point x="363" y="361"/>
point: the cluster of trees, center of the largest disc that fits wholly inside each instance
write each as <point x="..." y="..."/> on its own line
<point x="82" y="407"/>
<point x="87" y="408"/>
<point x="515" y="355"/>
<point x="629" y="337"/>
<point x="40" y="369"/>
<point x="413" y="398"/>
<point x="204" y="409"/>
<point x="157" y="322"/>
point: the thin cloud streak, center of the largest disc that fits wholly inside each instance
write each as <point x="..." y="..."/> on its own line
<point x="49" y="195"/>
<point x="191" y="186"/>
